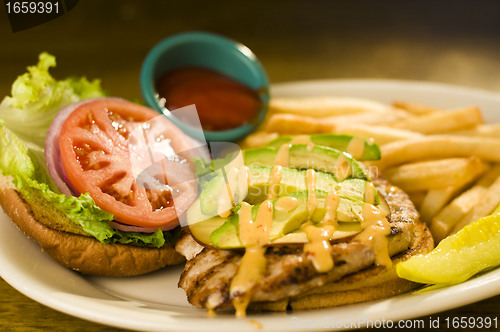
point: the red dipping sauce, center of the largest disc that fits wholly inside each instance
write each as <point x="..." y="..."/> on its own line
<point x="222" y="103"/>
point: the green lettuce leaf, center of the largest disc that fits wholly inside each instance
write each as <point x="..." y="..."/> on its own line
<point x="14" y="158"/>
<point x="84" y="212"/>
<point x="37" y="98"/>
<point x="25" y="118"/>
<point x="81" y="210"/>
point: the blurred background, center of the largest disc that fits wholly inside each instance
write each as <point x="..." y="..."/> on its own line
<point x="450" y="41"/>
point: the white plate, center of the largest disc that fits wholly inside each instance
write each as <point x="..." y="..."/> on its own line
<point x="154" y="302"/>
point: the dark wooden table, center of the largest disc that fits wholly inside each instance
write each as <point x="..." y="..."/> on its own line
<point x="455" y="42"/>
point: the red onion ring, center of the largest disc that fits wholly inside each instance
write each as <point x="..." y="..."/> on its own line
<point x="128" y="228"/>
<point x="53" y="154"/>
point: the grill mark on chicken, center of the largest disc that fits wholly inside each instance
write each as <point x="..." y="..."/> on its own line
<point x="289" y="272"/>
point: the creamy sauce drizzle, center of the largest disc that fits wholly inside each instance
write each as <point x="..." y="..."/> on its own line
<point x="370" y="193"/>
<point x="286" y="204"/>
<point x="283" y="156"/>
<point x="356" y="147"/>
<point x="319" y="247"/>
<point x="303" y="139"/>
<point x="254" y="235"/>
<point x="312" y="202"/>
<point x="255" y="324"/>
<point x="274" y="181"/>
<point x="211" y="313"/>
<point x="374" y="235"/>
<point x="255" y="232"/>
<point x="331" y="204"/>
<point x="252" y="267"/>
<point x="342" y="168"/>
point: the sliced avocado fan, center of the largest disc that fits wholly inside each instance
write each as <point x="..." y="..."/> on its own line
<point x="324" y="153"/>
<point x="292" y="180"/>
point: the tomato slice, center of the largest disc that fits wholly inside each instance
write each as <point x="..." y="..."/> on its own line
<point x="94" y="143"/>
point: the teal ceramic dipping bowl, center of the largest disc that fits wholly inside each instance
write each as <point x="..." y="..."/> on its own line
<point x="211" y="51"/>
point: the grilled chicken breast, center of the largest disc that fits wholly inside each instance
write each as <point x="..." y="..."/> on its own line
<point x="289" y="273"/>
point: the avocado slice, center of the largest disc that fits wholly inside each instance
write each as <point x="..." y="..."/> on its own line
<point x="200" y="225"/>
<point x="210" y="194"/>
<point x="292" y="180"/>
<point x="371" y="150"/>
<point x="258" y="187"/>
<point x="301" y="156"/>
<point x="227" y="235"/>
<point x="223" y="185"/>
<point x="218" y="194"/>
<point x="285" y="222"/>
<point x="295" y="180"/>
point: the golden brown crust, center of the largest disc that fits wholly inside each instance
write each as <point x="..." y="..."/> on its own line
<point x="81" y="253"/>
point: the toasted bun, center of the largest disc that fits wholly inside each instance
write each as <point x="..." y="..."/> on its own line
<point x="370" y="284"/>
<point x="79" y="252"/>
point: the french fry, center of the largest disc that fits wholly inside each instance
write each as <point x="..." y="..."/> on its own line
<point x="380" y="134"/>
<point x="436" y="199"/>
<point x="487" y="204"/>
<point x="326" y="106"/>
<point x="435" y="174"/>
<point x="366" y="118"/>
<point x="438" y="146"/>
<point x="258" y="139"/>
<point x="283" y="123"/>
<point x="297" y="124"/>
<point x="446" y="219"/>
<point x="416" y="109"/>
<point x="443" y="122"/>
<point x="483" y="130"/>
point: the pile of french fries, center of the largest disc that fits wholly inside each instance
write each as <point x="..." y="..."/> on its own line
<point x="448" y="161"/>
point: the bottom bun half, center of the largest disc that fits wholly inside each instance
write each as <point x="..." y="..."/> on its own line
<point x="82" y="253"/>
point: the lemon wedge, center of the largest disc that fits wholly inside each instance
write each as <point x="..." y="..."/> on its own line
<point x="474" y="248"/>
